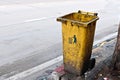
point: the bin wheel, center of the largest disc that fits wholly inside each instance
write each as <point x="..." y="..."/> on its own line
<point x="91" y="63"/>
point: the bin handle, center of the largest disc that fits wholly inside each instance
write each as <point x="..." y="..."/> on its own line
<point x="61" y="20"/>
<point x="94" y="14"/>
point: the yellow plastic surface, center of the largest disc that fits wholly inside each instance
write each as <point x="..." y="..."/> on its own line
<point x="78" y="34"/>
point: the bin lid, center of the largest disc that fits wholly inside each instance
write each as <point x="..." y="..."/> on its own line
<point x="80" y="18"/>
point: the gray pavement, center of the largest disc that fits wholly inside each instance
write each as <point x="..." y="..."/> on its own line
<point x="36" y="58"/>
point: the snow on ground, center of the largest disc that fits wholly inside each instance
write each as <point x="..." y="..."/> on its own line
<point x="28" y="27"/>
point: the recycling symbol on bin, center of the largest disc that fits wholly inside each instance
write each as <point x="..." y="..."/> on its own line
<point x="73" y="40"/>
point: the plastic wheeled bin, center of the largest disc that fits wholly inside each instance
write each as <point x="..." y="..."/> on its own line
<point x="78" y="34"/>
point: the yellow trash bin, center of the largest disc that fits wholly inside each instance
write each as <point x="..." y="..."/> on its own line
<point x="78" y="33"/>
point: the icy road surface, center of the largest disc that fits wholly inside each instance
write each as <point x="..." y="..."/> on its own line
<point x="30" y="34"/>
